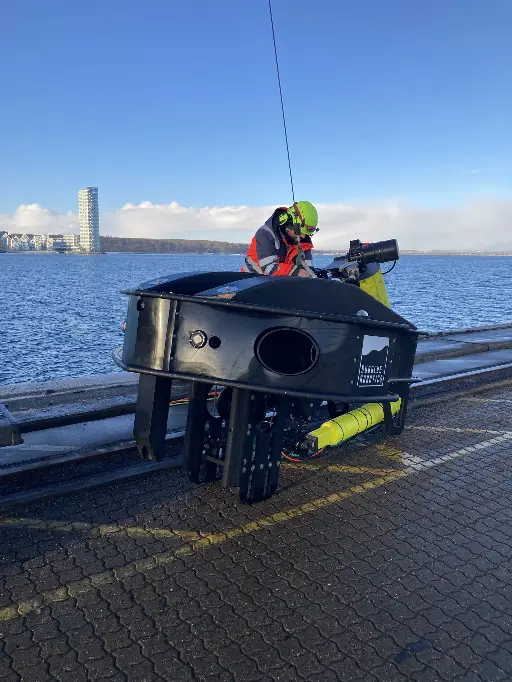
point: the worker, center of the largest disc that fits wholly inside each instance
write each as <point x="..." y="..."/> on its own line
<point x="274" y="249"/>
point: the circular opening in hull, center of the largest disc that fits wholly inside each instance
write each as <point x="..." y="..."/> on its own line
<point x="286" y="351"/>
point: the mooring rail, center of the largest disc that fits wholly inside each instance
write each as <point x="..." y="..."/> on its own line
<point x="63" y="473"/>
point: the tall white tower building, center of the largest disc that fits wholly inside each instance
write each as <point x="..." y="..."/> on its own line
<point x="89" y="218"/>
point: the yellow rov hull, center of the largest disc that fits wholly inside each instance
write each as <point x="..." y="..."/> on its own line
<point x="376" y="287"/>
<point x="338" y="430"/>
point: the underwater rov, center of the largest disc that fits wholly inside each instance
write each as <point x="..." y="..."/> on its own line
<point x="281" y="347"/>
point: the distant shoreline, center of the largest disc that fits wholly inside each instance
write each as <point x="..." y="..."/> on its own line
<point x="496" y="254"/>
<point x="37" y="252"/>
<point x="206" y="247"/>
<point x="456" y="253"/>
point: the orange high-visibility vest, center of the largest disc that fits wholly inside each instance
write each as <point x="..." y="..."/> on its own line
<point x="285" y="253"/>
<point x="286" y="264"/>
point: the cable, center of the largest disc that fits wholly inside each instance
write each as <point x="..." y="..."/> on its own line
<point x="290" y="459"/>
<point x="300" y="260"/>
<point x="281" y="96"/>
<point x="298" y="458"/>
<point x="388" y="271"/>
<point x="183" y="401"/>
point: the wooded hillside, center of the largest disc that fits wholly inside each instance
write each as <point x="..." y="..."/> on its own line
<point x="136" y="245"/>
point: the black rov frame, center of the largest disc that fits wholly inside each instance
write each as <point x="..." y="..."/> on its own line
<point x="210" y="329"/>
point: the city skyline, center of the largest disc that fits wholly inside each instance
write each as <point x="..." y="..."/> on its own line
<point x="86" y="241"/>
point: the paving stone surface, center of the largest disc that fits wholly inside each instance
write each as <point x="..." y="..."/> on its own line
<point x="386" y="560"/>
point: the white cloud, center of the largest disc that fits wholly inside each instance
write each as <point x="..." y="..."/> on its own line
<point x="476" y="225"/>
<point x="33" y="218"/>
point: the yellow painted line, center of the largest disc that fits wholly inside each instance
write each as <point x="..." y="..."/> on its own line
<point x="453" y="429"/>
<point x="144" y="531"/>
<point x="390" y="453"/>
<point x="339" y="468"/>
<point x="117" y="575"/>
<point x="95" y="531"/>
<point x="79" y="587"/>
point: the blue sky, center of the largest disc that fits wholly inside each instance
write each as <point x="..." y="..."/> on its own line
<point x="169" y="100"/>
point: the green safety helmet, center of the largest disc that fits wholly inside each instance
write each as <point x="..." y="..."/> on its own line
<point x="305" y="215"/>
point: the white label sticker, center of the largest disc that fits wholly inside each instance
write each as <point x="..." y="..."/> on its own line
<point x="374" y="360"/>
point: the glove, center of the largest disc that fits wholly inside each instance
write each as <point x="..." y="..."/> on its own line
<point x="306" y="272"/>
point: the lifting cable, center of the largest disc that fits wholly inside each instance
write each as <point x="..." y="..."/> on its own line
<point x="300" y="254"/>
<point x="281" y="97"/>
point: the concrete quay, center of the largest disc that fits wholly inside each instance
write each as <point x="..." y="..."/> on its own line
<point x="389" y="560"/>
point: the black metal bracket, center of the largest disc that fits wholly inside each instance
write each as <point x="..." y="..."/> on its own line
<point x="254" y="448"/>
<point x="205" y="437"/>
<point x="9" y="430"/>
<point x="240" y="443"/>
<point x="151" y="413"/>
<point x="395" y="424"/>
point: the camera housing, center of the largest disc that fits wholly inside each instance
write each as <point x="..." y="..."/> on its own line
<point x="378" y="252"/>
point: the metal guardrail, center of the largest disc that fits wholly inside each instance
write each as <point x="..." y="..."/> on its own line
<point x="462" y="375"/>
<point x="467" y="330"/>
<point x="9" y="428"/>
<point x="79" y="417"/>
<point x="128" y="407"/>
<point x="426" y="392"/>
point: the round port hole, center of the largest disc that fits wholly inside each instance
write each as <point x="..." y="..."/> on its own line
<point x="286" y="351"/>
